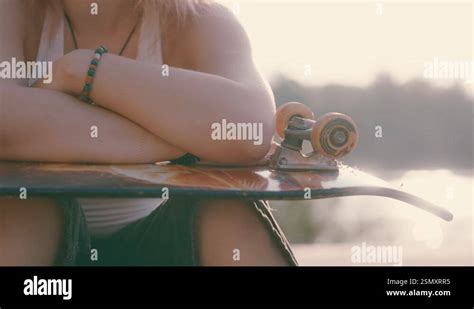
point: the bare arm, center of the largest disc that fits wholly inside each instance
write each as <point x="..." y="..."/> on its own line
<point x="45" y="125"/>
<point x="49" y="126"/>
<point x="181" y="107"/>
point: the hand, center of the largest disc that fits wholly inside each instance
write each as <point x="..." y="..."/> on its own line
<point x="69" y="72"/>
<point x="56" y="83"/>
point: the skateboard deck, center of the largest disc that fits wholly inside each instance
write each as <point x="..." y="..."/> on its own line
<point x="284" y="174"/>
<point x="200" y="181"/>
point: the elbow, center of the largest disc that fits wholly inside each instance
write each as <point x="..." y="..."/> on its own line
<point x="251" y="153"/>
<point x="258" y="139"/>
<point x="4" y="140"/>
<point x="254" y="151"/>
<point x="252" y="148"/>
<point x="245" y="134"/>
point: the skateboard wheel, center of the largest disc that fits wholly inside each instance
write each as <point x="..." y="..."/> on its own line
<point x="288" y="110"/>
<point x="334" y="135"/>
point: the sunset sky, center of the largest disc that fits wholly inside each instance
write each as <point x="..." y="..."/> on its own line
<point x="351" y="42"/>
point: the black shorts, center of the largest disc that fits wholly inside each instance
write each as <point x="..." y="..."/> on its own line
<point x="166" y="237"/>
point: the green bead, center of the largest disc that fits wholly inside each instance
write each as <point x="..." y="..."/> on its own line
<point x="101" y="50"/>
<point x="87" y="87"/>
<point x="91" y="72"/>
<point x="94" y="62"/>
<point x="84" y="98"/>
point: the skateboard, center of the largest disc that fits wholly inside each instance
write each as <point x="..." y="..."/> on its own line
<point x="284" y="174"/>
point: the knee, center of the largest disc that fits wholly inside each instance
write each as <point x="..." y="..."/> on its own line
<point x="229" y="214"/>
<point x="13" y="207"/>
<point x="227" y="226"/>
<point x="30" y="231"/>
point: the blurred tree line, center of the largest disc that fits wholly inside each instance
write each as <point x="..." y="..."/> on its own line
<point x="423" y="127"/>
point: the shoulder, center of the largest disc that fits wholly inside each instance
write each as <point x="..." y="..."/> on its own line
<point x="8" y="7"/>
<point x="20" y="27"/>
<point x="12" y="14"/>
<point x="209" y="14"/>
<point x="216" y="21"/>
<point x="12" y="27"/>
<point x="215" y="29"/>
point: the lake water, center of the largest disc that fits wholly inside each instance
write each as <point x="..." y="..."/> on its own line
<point x="342" y="225"/>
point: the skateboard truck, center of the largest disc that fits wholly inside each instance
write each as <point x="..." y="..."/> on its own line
<point x="332" y="136"/>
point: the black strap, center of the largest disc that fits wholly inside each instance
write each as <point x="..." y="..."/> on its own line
<point x="74" y="39"/>
<point x="187" y="159"/>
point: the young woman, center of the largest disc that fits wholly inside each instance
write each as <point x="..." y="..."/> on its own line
<point x="172" y="69"/>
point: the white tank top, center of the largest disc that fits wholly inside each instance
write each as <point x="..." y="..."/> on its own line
<point x="106" y="215"/>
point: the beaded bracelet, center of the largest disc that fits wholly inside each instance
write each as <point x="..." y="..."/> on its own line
<point x="91" y="73"/>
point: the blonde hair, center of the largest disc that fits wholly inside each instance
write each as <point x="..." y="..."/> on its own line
<point x="172" y="14"/>
<point x="178" y="9"/>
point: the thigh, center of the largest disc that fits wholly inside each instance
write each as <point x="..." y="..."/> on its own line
<point x="170" y="235"/>
<point x="241" y="233"/>
<point x="30" y="231"/>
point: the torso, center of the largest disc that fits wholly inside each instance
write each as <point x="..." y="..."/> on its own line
<point x="105" y="216"/>
<point x="175" y="52"/>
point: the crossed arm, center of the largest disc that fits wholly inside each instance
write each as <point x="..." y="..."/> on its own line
<point x="142" y="116"/>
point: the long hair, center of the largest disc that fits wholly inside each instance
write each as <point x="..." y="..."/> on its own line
<point x="172" y="14"/>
